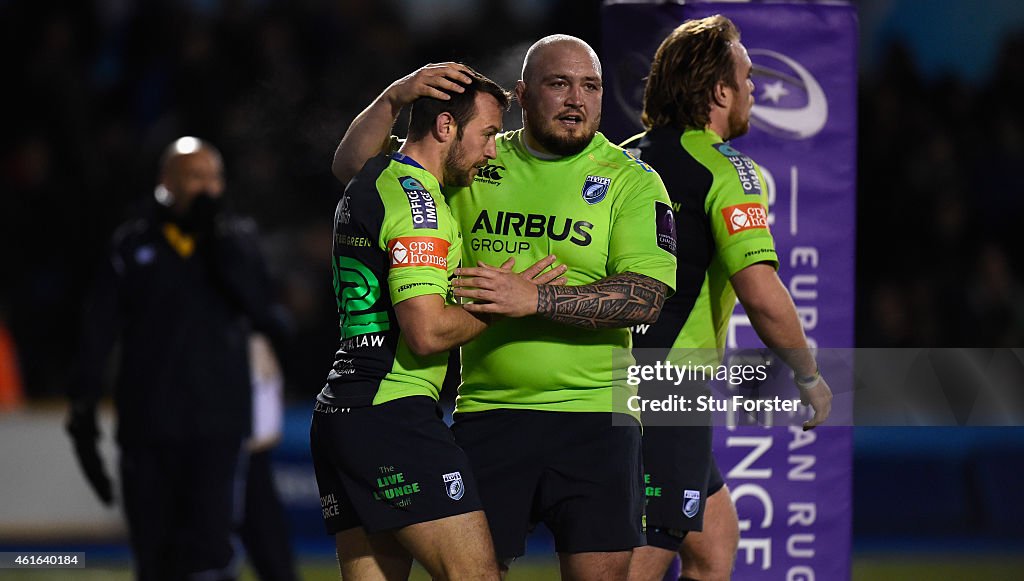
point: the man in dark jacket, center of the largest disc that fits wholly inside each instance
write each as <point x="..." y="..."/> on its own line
<point x="182" y="287"/>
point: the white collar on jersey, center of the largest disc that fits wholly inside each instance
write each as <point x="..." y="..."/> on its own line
<point x="538" y="154"/>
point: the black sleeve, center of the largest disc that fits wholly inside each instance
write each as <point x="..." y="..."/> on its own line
<point x="100" y="325"/>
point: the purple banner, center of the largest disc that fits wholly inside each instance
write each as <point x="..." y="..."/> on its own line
<point x="792" y="489"/>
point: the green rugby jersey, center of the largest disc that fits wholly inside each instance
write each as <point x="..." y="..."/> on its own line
<point x="720" y="203"/>
<point x="394" y="239"/>
<point x="601" y="212"/>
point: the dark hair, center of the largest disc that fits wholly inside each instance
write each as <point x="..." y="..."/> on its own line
<point x="690" y="62"/>
<point x="461" y="106"/>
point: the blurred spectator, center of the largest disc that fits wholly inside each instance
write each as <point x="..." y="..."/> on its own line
<point x="181" y="289"/>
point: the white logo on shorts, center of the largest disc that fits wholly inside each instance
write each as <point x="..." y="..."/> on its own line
<point x="691" y="503"/>
<point x="329" y="506"/>
<point x="453" y="485"/>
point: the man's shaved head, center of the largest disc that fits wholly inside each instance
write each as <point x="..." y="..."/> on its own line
<point x="561" y="95"/>
<point x="536" y="53"/>
<point x="190" y="167"/>
<point x="187" y="145"/>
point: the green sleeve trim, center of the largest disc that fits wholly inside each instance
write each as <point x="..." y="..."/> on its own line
<point x="748" y="251"/>
<point x="416" y="281"/>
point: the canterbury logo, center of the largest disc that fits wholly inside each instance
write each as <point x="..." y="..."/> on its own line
<point x="490" y="172"/>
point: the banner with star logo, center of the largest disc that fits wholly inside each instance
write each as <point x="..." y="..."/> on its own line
<point x="793" y="491"/>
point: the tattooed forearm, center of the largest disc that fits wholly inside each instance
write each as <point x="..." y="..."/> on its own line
<point x="622" y="300"/>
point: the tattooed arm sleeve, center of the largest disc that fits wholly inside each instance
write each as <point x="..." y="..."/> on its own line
<point x="622" y="300"/>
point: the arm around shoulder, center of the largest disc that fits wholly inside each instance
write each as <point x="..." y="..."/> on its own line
<point x="370" y="131"/>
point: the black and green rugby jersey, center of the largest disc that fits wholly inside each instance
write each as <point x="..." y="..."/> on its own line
<point x="394" y="239"/>
<point x="601" y="212"/>
<point x="720" y="203"/>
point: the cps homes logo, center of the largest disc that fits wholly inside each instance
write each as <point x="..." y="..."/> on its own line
<point x="418" y="251"/>
<point x="742" y="217"/>
<point x="595" y="188"/>
<point x="790" y="101"/>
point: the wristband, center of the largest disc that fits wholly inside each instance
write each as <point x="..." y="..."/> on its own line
<point x="809" y="381"/>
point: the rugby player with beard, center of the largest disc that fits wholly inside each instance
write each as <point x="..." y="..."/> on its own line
<point x="537" y="411"/>
<point x="393" y="483"/>
<point x="698" y="97"/>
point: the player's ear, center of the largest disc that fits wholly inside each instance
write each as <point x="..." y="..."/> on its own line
<point x="445" y="127"/>
<point x="520" y="90"/>
<point x="721" y="94"/>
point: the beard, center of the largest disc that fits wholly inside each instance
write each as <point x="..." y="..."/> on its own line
<point x="457" y="172"/>
<point x="549" y="135"/>
<point x="739" y="123"/>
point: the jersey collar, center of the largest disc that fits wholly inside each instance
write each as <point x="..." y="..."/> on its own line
<point x="405" y="159"/>
<point x="402" y="158"/>
<point x="520" y="138"/>
<point x="538" y="154"/>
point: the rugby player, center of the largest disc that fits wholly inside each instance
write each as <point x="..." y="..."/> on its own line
<point x="698" y="97"/>
<point x="534" y="411"/>
<point x="393" y="483"/>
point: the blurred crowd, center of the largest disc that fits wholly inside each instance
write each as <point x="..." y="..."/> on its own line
<point x="939" y="263"/>
<point x="96" y="88"/>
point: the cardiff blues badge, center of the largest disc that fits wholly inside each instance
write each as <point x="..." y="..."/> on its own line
<point x="595" y="189"/>
<point x="453" y="485"/>
<point x="691" y="503"/>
